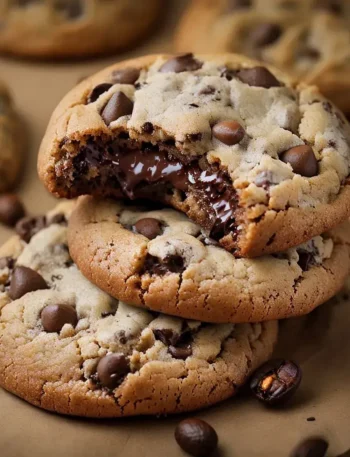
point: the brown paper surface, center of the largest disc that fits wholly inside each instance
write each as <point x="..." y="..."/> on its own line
<point x="319" y="342"/>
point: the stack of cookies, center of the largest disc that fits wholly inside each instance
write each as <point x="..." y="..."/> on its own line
<point x="213" y="199"/>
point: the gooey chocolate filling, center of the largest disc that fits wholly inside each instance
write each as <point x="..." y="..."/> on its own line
<point x="123" y="168"/>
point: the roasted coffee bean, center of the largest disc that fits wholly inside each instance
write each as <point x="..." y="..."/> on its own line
<point x="54" y="317"/>
<point x="11" y="209"/>
<point x="149" y="227"/>
<point x="276" y="381"/>
<point x="27" y="227"/>
<point x="111" y="369"/>
<point x="258" y="77"/>
<point x="265" y="34"/>
<point x="125" y="75"/>
<point x="119" y="105"/>
<point x="185" y="62"/>
<point x="25" y="280"/>
<point x="180" y="352"/>
<point x="312" y="447"/>
<point x="98" y="91"/>
<point x="196" y="437"/>
<point x="302" y="160"/>
<point x="228" y="132"/>
<point x="6" y="262"/>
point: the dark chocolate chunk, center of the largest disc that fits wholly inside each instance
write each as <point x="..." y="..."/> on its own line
<point x="302" y="160"/>
<point x="112" y="369"/>
<point x="167" y="336"/>
<point x="265" y="34"/>
<point x="185" y="62"/>
<point x="11" y="209"/>
<point x="180" y="352"/>
<point x="228" y="132"/>
<point x="312" y="447"/>
<point x="304" y="261"/>
<point x="148" y="128"/>
<point x="97" y="91"/>
<point x="7" y="262"/>
<point x="171" y="263"/>
<point x="54" y="317"/>
<point x="149" y="227"/>
<point x="196" y="437"/>
<point x="25" y="280"/>
<point x="119" y="105"/>
<point x="125" y="75"/>
<point x="27" y="227"/>
<point x="258" y="77"/>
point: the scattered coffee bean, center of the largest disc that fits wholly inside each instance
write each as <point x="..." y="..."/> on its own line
<point x="181" y="352"/>
<point x="111" y="369"/>
<point x="196" y="437"/>
<point x="125" y="76"/>
<point x="11" y="209"/>
<point x="265" y="34"/>
<point x="276" y="381"/>
<point x="27" y="227"/>
<point x="312" y="447"/>
<point x="302" y="160"/>
<point x="119" y="105"/>
<point x="258" y="77"/>
<point x="98" y="91"/>
<point x="228" y="132"/>
<point x="149" y="227"/>
<point x="25" y="280"/>
<point x="54" y="317"/>
<point x="178" y="64"/>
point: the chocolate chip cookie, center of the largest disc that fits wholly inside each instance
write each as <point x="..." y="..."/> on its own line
<point x="68" y="347"/>
<point x="261" y="164"/>
<point x="73" y="28"/>
<point x="309" y="39"/>
<point x="11" y="142"/>
<point x="160" y="260"/>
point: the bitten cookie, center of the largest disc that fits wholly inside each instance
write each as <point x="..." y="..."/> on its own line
<point x="68" y="347"/>
<point x="73" y="28"/>
<point x="309" y="39"/>
<point x="261" y="164"/>
<point x="162" y="261"/>
<point x="11" y="142"/>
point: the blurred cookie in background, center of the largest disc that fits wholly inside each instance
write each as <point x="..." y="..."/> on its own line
<point x="309" y="39"/>
<point x="73" y="28"/>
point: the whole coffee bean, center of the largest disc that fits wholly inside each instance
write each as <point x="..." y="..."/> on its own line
<point x="185" y="62"/>
<point x="258" y="77"/>
<point x="126" y="75"/>
<point x="312" y="447"/>
<point x="97" y="91"/>
<point x="276" y="381"/>
<point x="302" y="160"/>
<point x="149" y="227"/>
<point x="111" y="369"/>
<point x="54" y="317"/>
<point x="196" y="437"/>
<point x="265" y="34"/>
<point x="25" y="280"/>
<point x="11" y="209"/>
<point x="228" y="132"/>
<point x="119" y="105"/>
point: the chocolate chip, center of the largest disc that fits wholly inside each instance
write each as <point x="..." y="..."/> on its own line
<point x="11" y="209"/>
<point x="54" y="317"/>
<point x="149" y="227"/>
<point x="196" y="437"/>
<point x="27" y="227"/>
<point x="119" y="105"/>
<point x="302" y="159"/>
<point x="72" y="9"/>
<point x="185" y="62"/>
<point x="25" y="280"/>
<point x="265" y="34"/>
<point x="304" y="260"/>
<point x="98" y="91"/>
<point x="238" y="4"/>
<point x="7" y="262"/>
<point x="208" y="90"/>
<point x="171" y="263"/>
<point x="276" y="381"/>
<point x="148" y="128"/>
<point x="228" y="132"/>
<point x="181" y="352"/>
<point x="166" y="336"/>
<point x="125" y="76"/>
<point x="111" y="369"/>
<point x="333" y="6"/>
<point x="258" y="77"/>
<point x="312" y="447"/>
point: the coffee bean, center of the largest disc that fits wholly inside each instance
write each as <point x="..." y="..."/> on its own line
<point x="149" y="227"/>
<point x="276" y="381"/>
<point x="54" y="317"/>
<point x="228" y="132"/>
<point x="258" y="77"/>
<point x="196" y="437"/>
<point x="111" y="369"/>
<point x="178" y="64"/>
<point x="27" y="227"/>
<point x="125" y="76"/>
<point x="312" y="447"/>
<point x="11" y="209"/>
<point x="181" y="352"/>
<point x="25" y="280"/>
<point x="265" y="34"/>
<point x="302" y="159"/>
<point x="97" y="91"/>
<point x="119" y="105"/>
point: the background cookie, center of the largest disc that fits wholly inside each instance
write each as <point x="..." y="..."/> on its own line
<point x="68" y="347"/>
<point x="162" y="261"/>
<point x="73" y="28"/>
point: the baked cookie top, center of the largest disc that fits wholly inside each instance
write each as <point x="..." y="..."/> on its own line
<point x="239" y="147"/>
<point x="160" y="260"/>
<point x="69" y="347"/>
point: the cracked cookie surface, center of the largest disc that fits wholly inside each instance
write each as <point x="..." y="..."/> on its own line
<point x="258" y="162"/>
<point x="73" y="28"/>
<point x="308" y="39"/>
<point x="160" y="260"/>
<point x="68" y="347"/>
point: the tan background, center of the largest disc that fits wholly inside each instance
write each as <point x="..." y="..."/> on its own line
<point x="319" y="342"/>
